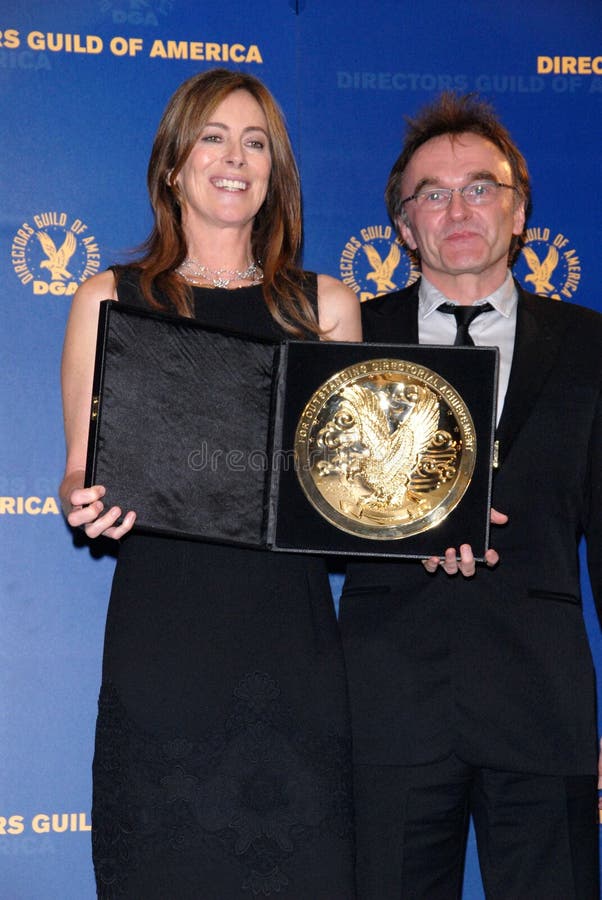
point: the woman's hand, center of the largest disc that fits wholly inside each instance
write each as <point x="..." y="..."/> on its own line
<point x="83" y="507"/>
<point x="465" y="563"/>
<point x="88" y="512"/>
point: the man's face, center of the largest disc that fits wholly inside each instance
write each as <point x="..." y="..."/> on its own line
<point x="461" y="240"/>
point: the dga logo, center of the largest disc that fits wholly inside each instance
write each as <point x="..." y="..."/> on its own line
<point x="54" y="253"/>
<point x="136" y="12"/>
<point x="548" y="265"/>
<point x="375" y="263"/>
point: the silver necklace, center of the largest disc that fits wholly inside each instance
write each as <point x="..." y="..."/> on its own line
<point x="194" y="271"/>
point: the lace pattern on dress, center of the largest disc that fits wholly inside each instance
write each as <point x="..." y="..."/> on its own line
<point x="251" y="795"/>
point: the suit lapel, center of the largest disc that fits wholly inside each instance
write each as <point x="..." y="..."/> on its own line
<point x="393" y="317"/>
<point x="536" y="346"/>
<point x="408" y="315"/>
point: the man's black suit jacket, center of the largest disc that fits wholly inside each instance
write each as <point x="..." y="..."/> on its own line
<point x="496" y="668"/>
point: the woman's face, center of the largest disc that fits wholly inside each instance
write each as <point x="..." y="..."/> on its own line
<point x="225" y="179"/>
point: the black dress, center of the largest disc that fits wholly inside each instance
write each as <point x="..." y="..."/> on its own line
<point x="221" y="767"/>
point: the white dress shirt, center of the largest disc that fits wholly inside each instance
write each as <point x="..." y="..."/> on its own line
<point x="496" y="328"/>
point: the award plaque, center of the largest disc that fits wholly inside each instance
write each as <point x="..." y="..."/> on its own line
<point x="386" y="450"/>
<point x="299" y="446"/>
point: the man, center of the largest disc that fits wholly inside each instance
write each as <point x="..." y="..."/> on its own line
<point x="476" y="696"/>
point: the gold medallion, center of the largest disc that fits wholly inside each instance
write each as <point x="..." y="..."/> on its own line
<point x="385" y="449"/>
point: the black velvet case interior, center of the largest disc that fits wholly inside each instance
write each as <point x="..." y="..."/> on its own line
<point x="180" y="427"/>
<point x="194" y="429"/>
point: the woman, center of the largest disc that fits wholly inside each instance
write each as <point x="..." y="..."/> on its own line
<point x="221" y="764"/>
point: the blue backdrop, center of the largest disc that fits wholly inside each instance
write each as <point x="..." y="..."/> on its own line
<point x="82" y="87"/>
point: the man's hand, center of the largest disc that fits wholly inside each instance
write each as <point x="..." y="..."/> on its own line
<point x="452" y="563"/>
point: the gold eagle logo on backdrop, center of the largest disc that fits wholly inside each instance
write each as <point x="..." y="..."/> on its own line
<point x="541" y="272"/>
<point x="57" y="259"/>
<point x="382" y="271"/>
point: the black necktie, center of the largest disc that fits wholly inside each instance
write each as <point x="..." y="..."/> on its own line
<point x="464" y="316"/>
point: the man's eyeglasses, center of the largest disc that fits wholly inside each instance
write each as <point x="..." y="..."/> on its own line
<point x="479" y="193"/>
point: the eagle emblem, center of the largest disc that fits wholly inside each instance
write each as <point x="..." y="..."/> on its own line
<point x="382" y="270"/>
<point x="541" y="272"/>
<point x="389" y="442"/>
<point x="57" y="259"/>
